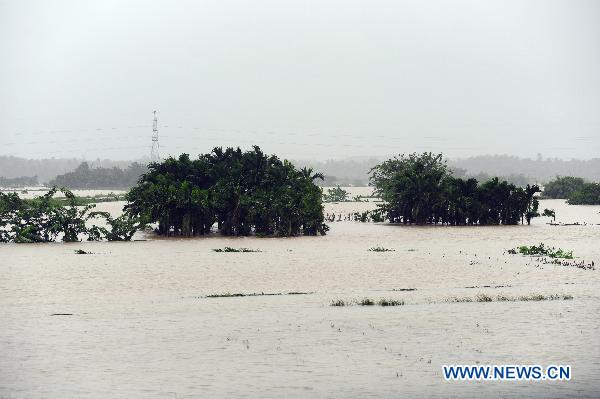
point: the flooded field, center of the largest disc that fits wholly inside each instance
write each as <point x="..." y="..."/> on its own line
<point x="134" y="320"/>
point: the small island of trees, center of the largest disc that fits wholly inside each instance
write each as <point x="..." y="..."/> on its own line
<point x="239" y="192"/>
<point x="574" y="189"/>
<point x="420" y="189"/>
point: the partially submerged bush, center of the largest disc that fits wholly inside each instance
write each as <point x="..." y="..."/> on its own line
<point x="542" y="250"/>
<point x="46" y="218"/>
<point x="336" y="194"/>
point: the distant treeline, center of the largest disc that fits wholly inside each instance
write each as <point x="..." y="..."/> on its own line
<point x="355" y="171"/>
<point x="576" y="190"/>
<point x="541" y="169"/>
<point x="48" y="169"/>
<point x="22" y="181"/>
<point x="84" y="177"/>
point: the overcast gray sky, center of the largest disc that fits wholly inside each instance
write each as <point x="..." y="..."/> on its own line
<point x="304" y="79"/>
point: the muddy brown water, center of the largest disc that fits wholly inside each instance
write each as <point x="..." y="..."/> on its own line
<point x="132" y="319"/>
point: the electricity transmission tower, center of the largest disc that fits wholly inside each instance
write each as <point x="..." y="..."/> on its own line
<point x="154" y="154"/>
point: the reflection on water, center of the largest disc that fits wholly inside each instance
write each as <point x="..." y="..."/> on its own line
<point x="142" y="327"/>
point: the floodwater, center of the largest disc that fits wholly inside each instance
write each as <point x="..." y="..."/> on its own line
<point x="140" y="324"/>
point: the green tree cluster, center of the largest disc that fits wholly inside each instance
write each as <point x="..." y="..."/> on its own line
<point x="46" y="219"/>
<point x="588" y="194"/>
<point x="84" y="177"/>
<point x="563" y="187"/>
<point x="240" y="192"/>
<point x="420" y="189"/>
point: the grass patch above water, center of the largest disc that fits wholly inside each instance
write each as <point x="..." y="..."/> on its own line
<point x="390" y="302"/>
<point x="542" y="250"/>
<point x="239" y="294"/>
<point x="230" y="249"/>
<point x="478" y="298"/>
<point x="483" y="298"/>
<point x="367" y="302"/>
<point x="505" y="298"/>
<point x="339" y="302"/>
<point x="540" y="297"/>
<point x="381" y="249"/>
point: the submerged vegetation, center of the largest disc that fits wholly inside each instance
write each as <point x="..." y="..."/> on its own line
<point x="390" y="302"/>
<point x="542" y="250"/>
<point x="45" y="219"/>
<point x="230" y="249"/>
<point x="420" y="189"/>
<point x="336" y="194"/>
<point x="367" y="302"/>
<point x="375" y="216"/>
<point x="381" y="249"/>
<point x="551" y="213"/>
<point x="240" y="295"/>
<point x="505" y="298"/>
<point x="239" y="192"/>
<point x="481" y="297"/>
